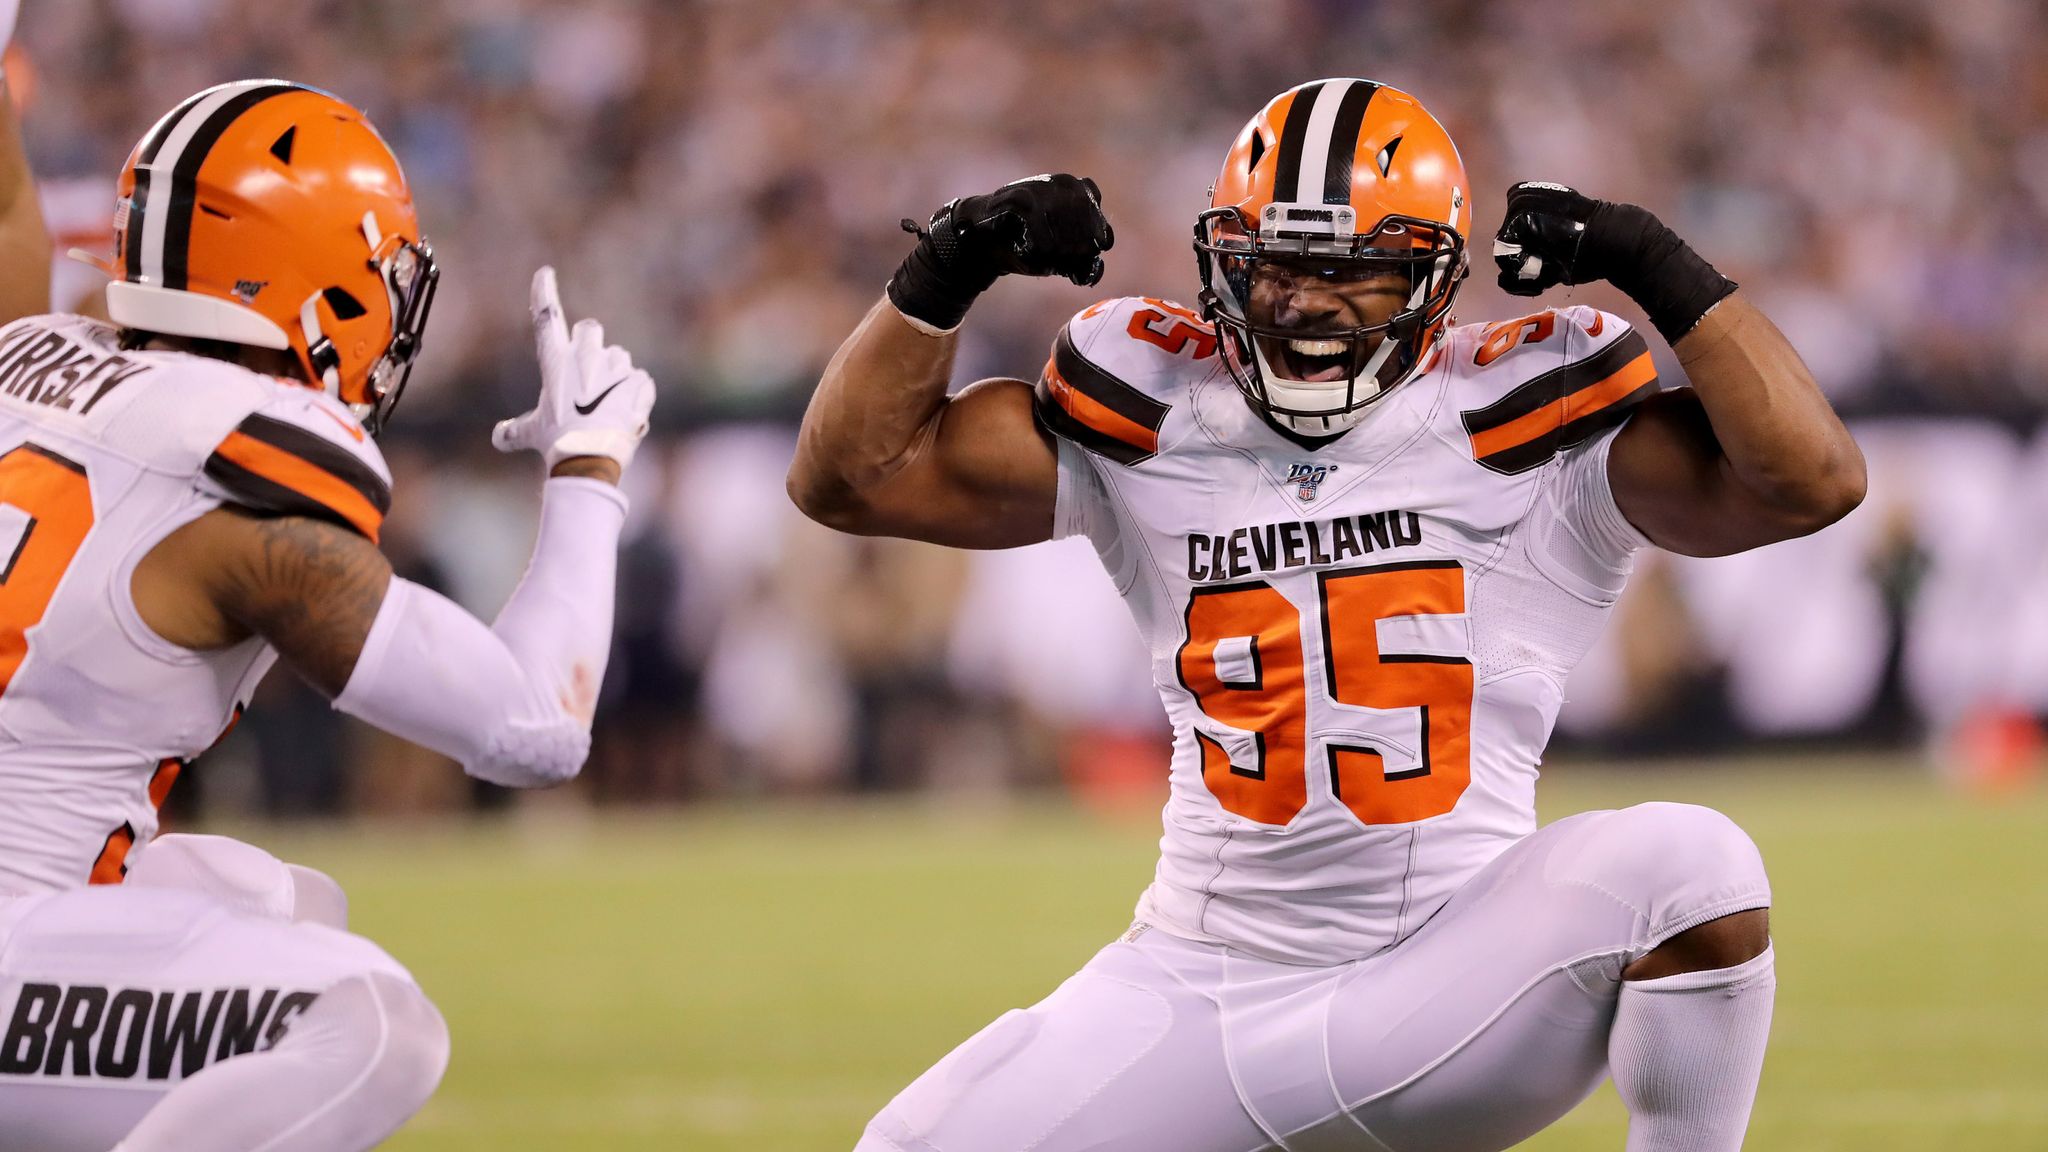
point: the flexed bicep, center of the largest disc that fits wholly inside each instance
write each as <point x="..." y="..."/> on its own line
<point x="982" y="474"/>
<point x="883" y="450"/>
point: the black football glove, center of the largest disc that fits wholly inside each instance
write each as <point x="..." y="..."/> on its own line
<point x="1041" y="226"/>
<point x="1552" y="235"/>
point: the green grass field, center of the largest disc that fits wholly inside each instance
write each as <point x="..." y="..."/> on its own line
<point x="765" y="978"/>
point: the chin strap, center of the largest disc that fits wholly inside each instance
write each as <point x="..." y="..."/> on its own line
<point x="319" y="349"/>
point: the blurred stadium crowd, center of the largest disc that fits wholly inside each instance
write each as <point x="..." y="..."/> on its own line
<point x="720" y="182"/>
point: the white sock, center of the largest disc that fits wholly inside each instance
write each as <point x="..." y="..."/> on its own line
<point x="353" y="1067"/>
<point x="1686" y="1053"/>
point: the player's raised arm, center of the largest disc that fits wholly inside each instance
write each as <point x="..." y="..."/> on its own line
<point x="883" y="450"/>
<point x="24" y="240"/>
<point x="512" y="701"/>
<point x="1752" y="453"/>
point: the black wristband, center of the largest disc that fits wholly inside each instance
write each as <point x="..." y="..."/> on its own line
<point x="1633" y="250"/>
<point x="934" y="284"/>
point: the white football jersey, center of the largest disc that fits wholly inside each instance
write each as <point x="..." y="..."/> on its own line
<point x="1361" y="646"/>
<point x="103" y="452"/>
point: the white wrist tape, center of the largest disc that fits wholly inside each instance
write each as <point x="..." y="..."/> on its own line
<point x="511" y="702"/>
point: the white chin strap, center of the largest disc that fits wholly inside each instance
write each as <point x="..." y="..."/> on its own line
<point x="309" y="320"/>
<point x="309" y="323"/>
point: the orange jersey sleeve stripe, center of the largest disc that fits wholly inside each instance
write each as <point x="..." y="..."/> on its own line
<point x="1615" y="387"/>
<point x="1080" y="402"/>
<point x="304" y="478"/>
<point x="1095" y="415"/>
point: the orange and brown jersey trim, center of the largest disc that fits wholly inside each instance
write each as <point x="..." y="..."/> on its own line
<point x="270" y="466"/>
<point x="111" y="865"/>
<point x="1562" y="407"/>
<point x="1079" y="401"/>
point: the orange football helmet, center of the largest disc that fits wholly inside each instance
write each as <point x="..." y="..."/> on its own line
<point x="1343" y="180"/>
<point x="271" y="214"/>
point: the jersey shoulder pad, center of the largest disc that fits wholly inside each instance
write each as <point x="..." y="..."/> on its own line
<point x="164" y="410"/>
<point x="302" y="453"/>
<point x="1531" y="387"/>
<point x="1117" y="368"/>
<point x="66" y="369"/>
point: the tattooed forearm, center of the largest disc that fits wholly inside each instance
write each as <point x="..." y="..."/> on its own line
<point x="311" y="589"/>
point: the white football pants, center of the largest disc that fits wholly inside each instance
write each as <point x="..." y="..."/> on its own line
<point x="1486" y="1025"/>
<point x="216" y="983"/>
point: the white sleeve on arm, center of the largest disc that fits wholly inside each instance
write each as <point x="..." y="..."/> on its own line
<point x="513" y="701"/>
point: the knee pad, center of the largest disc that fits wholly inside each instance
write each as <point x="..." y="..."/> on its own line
<point x="383" y="1032"/>
<point x="1677" y="865"/>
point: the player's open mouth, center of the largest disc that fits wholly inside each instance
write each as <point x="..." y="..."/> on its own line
<point x="1312" y="361"/>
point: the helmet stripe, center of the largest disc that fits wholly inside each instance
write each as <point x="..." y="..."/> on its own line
<point x="146" y="235"/>
<point x="1293" y="136"/>
<point x="138" y="200"/>
<point x="154" y="142"/>
<point x="133" y="222"/>
<point x="184" y="185"/>
<point x="171" y="162"/>
<point x="1344" y="141"/>
<point x="1315" y="145"/>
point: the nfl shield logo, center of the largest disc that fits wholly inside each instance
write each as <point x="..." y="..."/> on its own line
<point x="1305" y="478"/>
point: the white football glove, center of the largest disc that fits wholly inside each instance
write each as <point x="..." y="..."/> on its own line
<point x="593" y="402"/>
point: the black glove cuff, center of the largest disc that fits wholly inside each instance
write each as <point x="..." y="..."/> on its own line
<point x="1634" y="251"/>
<point x="936" y="283"/>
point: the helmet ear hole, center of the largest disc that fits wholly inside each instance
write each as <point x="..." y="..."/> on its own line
<point x="1258" y="150"/>
<point x="282" y="146"/>
<point x="345" y="306"/>
<point x="1385" y="159"/>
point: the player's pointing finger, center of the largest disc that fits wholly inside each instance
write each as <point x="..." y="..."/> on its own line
<point x="550" y="329"/>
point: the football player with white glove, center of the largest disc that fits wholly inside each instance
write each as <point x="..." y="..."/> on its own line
<point x="191" y="493"/>
<point x="578" y="374"/>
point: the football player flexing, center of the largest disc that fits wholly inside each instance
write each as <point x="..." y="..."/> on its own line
<point x="188" y="494"/>
<point x="1365" y="548"/>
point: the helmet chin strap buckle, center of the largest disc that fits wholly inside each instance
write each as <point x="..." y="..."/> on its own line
<point x="320" y="350"/>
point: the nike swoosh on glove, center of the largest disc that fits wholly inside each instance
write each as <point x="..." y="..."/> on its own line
<point x="593" y="401"/>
